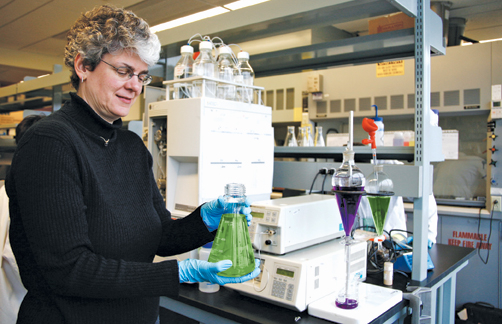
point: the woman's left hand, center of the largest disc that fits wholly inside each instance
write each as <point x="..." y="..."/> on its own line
<point x="211" y="212"/>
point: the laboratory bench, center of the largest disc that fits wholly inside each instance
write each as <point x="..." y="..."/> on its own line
<point x="229" y="306"/>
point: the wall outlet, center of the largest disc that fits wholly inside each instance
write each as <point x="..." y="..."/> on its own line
<point x="496" y="207"/>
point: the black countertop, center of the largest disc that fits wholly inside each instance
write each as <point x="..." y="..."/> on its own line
<point x="230" y="304"/>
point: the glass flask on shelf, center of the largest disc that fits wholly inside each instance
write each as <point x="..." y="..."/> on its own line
<point x="183" y="70"/>
<point x="245" y="75"/>
<point x="290" y="137"/>
<point x="308" y="136"/>
<point x="204" y="65"/>
<point x="319" y="139"/>
<point x="302" y="138"/>
<point x="226" y="70"/>
<point x="232" y="241"/>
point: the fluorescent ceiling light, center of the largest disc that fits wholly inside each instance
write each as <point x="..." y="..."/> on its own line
<point x="483" y="41"/>
<point x="242" y="4"/>
<point x="189" y="19"/>
<point x="205" y="14"/>
<point x="490" y="40"/>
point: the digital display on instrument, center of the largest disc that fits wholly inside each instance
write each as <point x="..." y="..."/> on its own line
<point x="286" y="273"/>
<point x="257" y="215"/>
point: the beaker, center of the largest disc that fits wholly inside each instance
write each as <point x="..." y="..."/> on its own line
<point x="290" y="137"/>
<point x="232" y="241"/>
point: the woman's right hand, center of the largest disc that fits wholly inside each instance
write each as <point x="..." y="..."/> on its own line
<point x="193" y="270"/>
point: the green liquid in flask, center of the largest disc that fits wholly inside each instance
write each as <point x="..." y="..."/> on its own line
<point x="232" y="242"/>
<point x="379" y="206"/>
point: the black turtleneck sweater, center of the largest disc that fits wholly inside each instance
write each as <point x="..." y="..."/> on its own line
<point x="87" y="220"/>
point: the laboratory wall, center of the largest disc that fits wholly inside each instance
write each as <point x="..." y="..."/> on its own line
<point x="480" y="280"/>
<point x="460" y="90"/>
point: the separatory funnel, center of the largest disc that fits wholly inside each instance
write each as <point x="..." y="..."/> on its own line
<point x="232" y="241"/>
<point x="379" y="190"/>
<point x="348" y="184"/>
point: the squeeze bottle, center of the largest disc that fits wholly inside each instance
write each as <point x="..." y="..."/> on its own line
<point x="380" y="131"/>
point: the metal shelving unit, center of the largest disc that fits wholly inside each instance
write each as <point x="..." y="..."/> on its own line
<point x="37" y="93"/>
<point x="427" y="40"/>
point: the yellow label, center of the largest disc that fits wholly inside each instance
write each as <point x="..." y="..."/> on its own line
<point x="393" y="68"/>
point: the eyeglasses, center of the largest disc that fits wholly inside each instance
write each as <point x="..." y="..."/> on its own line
<point x="126" y="73"/>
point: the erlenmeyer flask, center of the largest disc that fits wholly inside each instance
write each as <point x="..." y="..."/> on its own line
<point x="232" y="241"/>
<point x="290" y="137"/>
<point x="319" y="139"/>
<point x="302" y="140"/>
<point x="308" y="135"/>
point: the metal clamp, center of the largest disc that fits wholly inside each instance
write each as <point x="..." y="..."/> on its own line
<point x="421" y="304"/>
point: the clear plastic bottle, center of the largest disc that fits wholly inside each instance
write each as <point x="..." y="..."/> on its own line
<point x="226" y="70"/>
<point x="398" y="139"/>
<point x="319" y="139"/>
<point x="183" y="70"/>
<point x="232" y="241"/>
<point x="204" y="65"/>
<point x="245" y="75"/>
<point x="207" y="287"/>
<point x="290" y="137"/>
<point x="379" y="134"/>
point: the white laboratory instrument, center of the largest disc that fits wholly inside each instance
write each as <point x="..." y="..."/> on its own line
<point x="201" y="144"/>
<point x="296" y="279"/>
<point x="373" y="302"/>
<point x="283" y="225"/>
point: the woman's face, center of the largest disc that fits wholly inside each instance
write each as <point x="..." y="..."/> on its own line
<point x="106" y="92"/>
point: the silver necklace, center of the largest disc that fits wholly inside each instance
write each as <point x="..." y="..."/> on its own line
<point x="105" y="140"/>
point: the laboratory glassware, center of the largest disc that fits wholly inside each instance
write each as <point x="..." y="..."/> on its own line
<point x="226" y="70"/>
<point x="205" y="66"/>
<point x="207" y="287"/>
<point x="308" y="135"/>
<point x="290" y="137"/>
<point x="183" y="70"/>
<point x="302" y="138"/>
<point x="348" y="184"/>
<point x="319" y="139"/>
<point x="232" y="241"/>
<point x="244" y="74"/>
<point x="379" y="189"/>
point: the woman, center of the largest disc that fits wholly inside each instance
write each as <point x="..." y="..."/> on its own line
<point x="86" y="216"/>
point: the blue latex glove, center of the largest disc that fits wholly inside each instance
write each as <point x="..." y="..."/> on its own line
<point x="193" y="270"/>
<point x="409" y="240"/>
<point x="211" y="212"/>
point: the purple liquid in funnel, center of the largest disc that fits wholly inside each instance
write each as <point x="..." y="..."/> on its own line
<point x="348" y="199"/>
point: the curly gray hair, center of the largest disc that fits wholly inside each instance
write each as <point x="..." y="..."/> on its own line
<point x="106" y="29"/>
